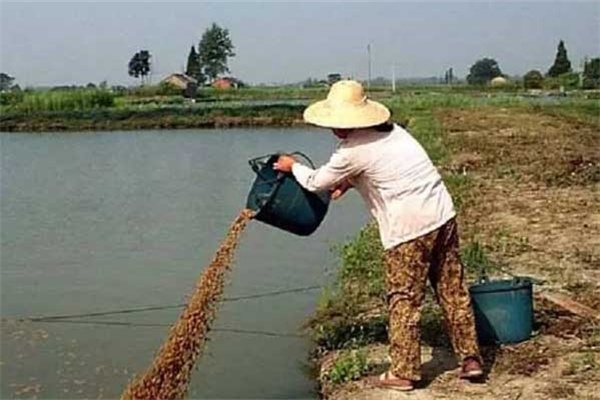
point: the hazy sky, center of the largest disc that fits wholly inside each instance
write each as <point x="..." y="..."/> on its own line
<point x="51" y="43"/>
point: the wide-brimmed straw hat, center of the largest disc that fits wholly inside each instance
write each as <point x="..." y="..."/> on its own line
<point x="346" y="107"/>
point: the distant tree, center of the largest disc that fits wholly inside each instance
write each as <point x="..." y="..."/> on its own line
<point x="561" y="65"/>
<point x="103" y="85"/>
<point x="333" y="78"/>
<point x="591" y="74"/>
<point x="6" y="81"/>
<point x="483" y="71"/>
<point x="139" y="65"/>
<point x="194" y="69"/>
<point x="533" y="80"/>
<point x="90" y="86"/>
<point x="214" y="49"/>
<point x="449" y="76"/>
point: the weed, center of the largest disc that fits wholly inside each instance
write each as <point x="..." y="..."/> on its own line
<point x="349" y="366"/>
<point x="581" y="363"/>
<point x="458" y="185"/>
<point x="475" y="259"/>
<point x="362" y="262"/>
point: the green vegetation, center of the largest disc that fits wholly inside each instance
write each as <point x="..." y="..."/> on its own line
<point x="533" y="80"/>
<point x="561" y="65"/>
<point x="339" y="321"/>
<point x="214" y="49"/>
<point x="139" y="65"/>
<point x="483" y="71"/>
<point x="591" y="74"/>
<point x="6" y="81"/>
<point x="349" y="366"/>
<point x="78" y="100"/>
<point x="162" y="106"/>
<point x="194" y="69"/>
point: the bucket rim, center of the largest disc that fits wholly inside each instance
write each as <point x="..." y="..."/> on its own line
<point x="502" y="285"/>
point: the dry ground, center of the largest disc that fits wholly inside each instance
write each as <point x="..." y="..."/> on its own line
<point x="532" y="197"/>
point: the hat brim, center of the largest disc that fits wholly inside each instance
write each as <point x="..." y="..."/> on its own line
<point x="349" y="116"/>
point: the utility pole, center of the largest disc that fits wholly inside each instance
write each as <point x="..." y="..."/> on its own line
<point x="393" y="78"/>
<point x="369" y="77"/>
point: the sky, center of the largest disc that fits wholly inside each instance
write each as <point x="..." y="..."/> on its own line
<point x="48" y="43"/>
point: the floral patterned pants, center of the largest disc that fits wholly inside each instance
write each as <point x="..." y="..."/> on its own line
<point x="408" y="265"/>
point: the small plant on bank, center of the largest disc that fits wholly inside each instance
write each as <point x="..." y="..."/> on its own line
<point x="362" y="262"/>
<point x="475" y="259"/>
<point x="349" y="366"/>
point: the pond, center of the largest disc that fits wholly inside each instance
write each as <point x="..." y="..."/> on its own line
<point x="114" y="222"/>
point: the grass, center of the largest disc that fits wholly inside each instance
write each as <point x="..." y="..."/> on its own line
<point x="276" y="106"/>
<point x="49" y="101"/>
<point x="349" y="366"/>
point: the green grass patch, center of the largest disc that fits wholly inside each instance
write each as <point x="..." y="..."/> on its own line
<point x="36" y="102"/>
<point x="349" y="366"/>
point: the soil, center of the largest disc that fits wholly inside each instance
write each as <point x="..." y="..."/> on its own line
<point x="533" y="201"/>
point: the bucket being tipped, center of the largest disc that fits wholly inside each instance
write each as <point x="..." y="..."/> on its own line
<point x="280" y="201"/>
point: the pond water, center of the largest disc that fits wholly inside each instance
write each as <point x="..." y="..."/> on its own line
<point x="96" y="222"/>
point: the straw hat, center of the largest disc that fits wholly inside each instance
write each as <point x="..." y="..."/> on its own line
<point x="346" y="107"/>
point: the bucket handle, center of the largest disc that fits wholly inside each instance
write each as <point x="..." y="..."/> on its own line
<point x="258" y="163"/>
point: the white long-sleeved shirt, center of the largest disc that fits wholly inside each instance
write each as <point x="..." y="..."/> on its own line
<point x="395" y="177"/>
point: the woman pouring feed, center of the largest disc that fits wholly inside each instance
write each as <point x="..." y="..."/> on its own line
<point x="414" y="211"/>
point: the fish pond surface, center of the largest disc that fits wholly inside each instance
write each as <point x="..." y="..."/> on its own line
<point x="120" y="225"/>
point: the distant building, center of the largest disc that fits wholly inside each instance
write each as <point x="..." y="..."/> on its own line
<point x="186" y="83"/>
<point x="499" y="81"/>
<point x="227" y="83"/>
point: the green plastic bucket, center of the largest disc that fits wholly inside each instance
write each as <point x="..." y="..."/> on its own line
<point x="280" y="201"/>
<point x="503" y="310"/>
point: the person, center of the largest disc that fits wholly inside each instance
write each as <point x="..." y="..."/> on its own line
<point x="416" y="219"/>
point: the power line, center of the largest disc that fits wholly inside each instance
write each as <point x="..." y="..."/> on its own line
<point x="151" y="324"/>
<point x="164" y="307"/>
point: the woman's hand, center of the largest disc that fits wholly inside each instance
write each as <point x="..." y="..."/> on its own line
<point x="284" y="163"/>
<point x="340" y="189"/>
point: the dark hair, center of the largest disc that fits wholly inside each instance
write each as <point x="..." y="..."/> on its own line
<point x="387" y="126"/>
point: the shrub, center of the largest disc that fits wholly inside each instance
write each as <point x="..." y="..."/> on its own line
<point x="11" y="98"/>
<point x="349" y="366"/>
<point x="533" y="80"/>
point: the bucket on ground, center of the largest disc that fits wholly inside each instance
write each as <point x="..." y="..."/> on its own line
<point x="280" y="201"/>
<point x="503" y="310"/>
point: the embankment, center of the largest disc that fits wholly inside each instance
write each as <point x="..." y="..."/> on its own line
<point x="152" y="118"/>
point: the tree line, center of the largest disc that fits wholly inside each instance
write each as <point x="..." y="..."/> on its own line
<point x="205" y="64"/>
<point x="486" y="69"/>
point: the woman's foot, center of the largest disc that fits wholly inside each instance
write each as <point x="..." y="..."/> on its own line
<point x="387" y="380"/>
<point x="471" y="369"/>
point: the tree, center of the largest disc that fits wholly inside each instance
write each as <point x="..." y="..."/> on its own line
<point x="333" y="78"/>
<point x="449" y="76"/>
<point x="561" y="65"/>
<point x="533" y="80"/>
<point x="6" y="81"/>
<point x="483" y="71"/>
<point x="213" y="50"/>
<point x="591" y="74"/>
<point x="139" y="65"/>
<point x="194" y="69"/>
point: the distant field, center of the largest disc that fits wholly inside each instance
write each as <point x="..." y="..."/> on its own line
<point x="149" y="108"/>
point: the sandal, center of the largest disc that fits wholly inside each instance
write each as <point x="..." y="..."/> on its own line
<point x="471" y="369"/>
<point x="389" y="381"/>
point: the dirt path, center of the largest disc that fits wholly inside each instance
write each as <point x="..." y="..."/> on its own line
<point x="532" y="198"/>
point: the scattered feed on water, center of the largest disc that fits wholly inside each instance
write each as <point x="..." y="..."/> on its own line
<point x="169" y="375"/>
